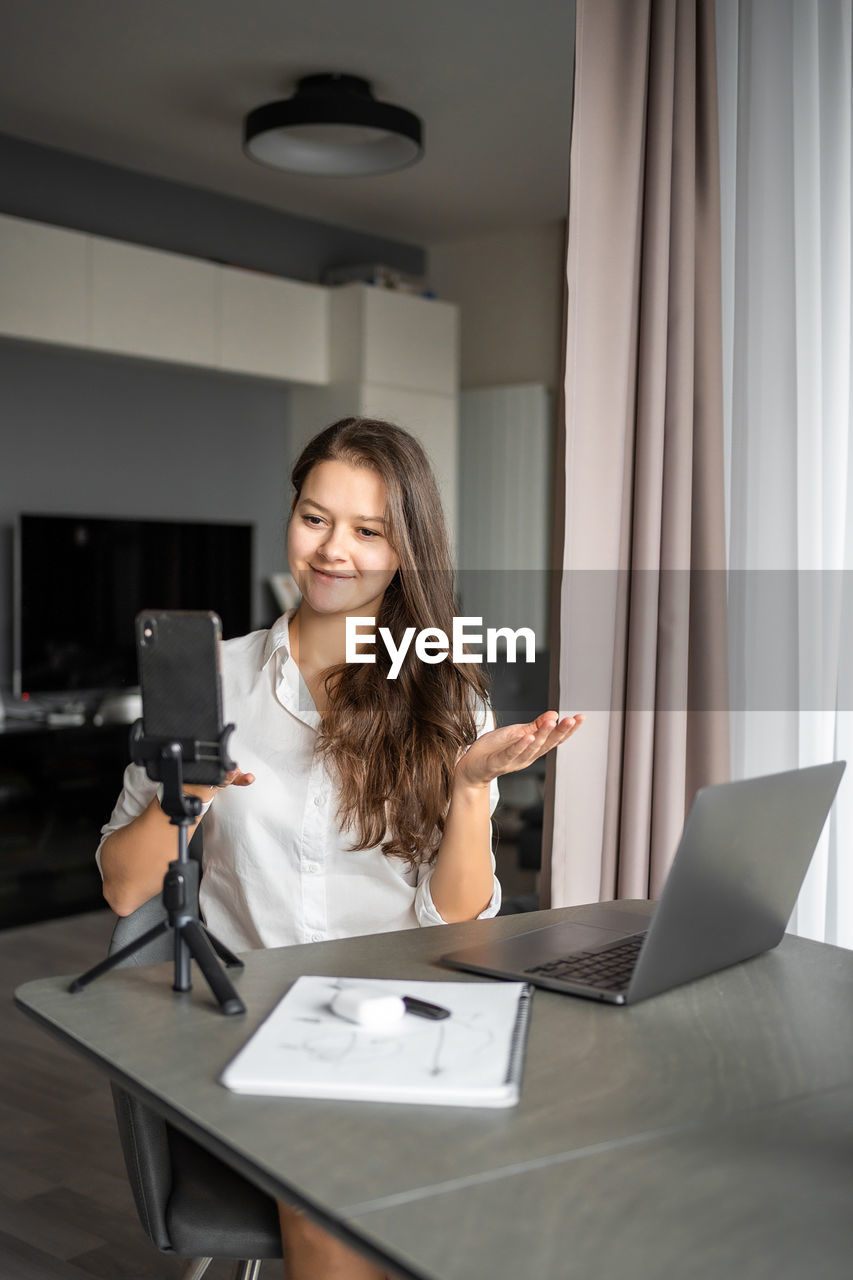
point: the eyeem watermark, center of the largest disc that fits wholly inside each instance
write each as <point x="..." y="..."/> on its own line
<point x="433" y="645"/>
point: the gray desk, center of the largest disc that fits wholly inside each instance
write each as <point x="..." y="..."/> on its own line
<point x="706" y="1133"/>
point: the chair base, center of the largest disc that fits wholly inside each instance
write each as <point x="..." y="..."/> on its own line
<point x="196" y="1269"/>
<point x="247" y="1269"/>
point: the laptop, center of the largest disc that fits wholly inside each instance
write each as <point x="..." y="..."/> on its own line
<point x="737" y="872"/>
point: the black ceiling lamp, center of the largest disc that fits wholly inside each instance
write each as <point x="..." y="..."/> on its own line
<point x="333" y="127"/>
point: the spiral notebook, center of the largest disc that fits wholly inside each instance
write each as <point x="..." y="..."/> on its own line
<point x="473" y="1058"/>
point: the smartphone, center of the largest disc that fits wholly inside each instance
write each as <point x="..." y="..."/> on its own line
<point x="178" y="658"/>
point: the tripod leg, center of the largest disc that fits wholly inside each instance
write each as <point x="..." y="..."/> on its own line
<point x="110" y="963"/>
<point x="183" y="981"/>
<point x="204" y="955"/>
<point x="233" y="962"/>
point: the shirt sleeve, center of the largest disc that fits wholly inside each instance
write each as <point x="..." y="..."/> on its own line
<point x="425" y="909"/>
<point x="136" y="795"/>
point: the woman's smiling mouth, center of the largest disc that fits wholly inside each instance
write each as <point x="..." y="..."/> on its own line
<point x="331" y="577"/>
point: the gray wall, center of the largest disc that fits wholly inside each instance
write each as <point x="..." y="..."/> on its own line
<point x="96" y="435"/>
<point x="48" y="185"/>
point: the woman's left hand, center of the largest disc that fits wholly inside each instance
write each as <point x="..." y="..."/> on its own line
<point x="513" y="747"/>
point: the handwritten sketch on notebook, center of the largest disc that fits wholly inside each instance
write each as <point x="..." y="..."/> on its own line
<point x="472" y="1058"/>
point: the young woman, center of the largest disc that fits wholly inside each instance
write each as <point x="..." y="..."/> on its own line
<point x="361" y="803"/>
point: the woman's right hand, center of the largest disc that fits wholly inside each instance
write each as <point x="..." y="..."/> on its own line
<point x="234" y="778"/>
<point x="135" y="857"/>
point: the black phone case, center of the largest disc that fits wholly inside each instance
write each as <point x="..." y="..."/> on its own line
<point x="178" y="657"/>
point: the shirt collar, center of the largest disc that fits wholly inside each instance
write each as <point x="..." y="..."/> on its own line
<point x="290" y="689"/>
<point x="278" y="637"/>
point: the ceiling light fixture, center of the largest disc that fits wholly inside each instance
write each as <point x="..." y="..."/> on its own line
<point x="333" y="127"/>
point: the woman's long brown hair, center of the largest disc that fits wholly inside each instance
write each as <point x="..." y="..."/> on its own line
<point x="394" y="744"/>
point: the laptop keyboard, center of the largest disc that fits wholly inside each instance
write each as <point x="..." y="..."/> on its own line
<point x="609" y="969"/>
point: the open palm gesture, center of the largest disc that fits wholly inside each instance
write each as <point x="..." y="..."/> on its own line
<point x="514" y="747"/>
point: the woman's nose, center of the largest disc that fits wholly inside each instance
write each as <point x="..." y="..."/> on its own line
<point x="332" y="545"/>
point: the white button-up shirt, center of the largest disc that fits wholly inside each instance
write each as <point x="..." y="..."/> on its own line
<point x="278" y="869"/>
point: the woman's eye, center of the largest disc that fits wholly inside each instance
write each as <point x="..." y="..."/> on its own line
<point x="370" y="533"/>
<point x="314" y="521"/>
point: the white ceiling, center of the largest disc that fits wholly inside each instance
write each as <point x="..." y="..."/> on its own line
<point x="161" y="86"/>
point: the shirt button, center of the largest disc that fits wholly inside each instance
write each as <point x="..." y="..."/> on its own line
<point x="318" y="800"/>
<point x="312" y="868"/>
<point x="316" y="937"/>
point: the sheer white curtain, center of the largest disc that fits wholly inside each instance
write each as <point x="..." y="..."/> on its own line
<point x="784" y="74"/>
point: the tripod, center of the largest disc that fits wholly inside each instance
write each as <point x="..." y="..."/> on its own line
<point x="192" y="939"/>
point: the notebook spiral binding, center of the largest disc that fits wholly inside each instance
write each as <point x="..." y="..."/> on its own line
<point x="518" y="1044"/>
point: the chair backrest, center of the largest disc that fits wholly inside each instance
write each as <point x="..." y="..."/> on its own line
<point x="143" y="1134"/>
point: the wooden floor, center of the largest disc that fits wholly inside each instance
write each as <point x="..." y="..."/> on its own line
<point x="66" y="1210"/>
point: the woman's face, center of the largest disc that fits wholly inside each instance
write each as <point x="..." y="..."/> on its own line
<point x="337" y="546"/>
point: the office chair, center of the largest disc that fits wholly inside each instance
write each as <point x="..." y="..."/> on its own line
<point x="189" y="1203"/>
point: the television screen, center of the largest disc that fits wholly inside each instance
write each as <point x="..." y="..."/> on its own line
<point x="80" y="582"/>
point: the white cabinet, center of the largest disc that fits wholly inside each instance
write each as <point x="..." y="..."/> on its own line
<point x="80" y="290"/>
<point x="410" y="342"/>
<point x="273" y="328"/>
<point x="44" y="282"/>
<point x="380" y="336"/>
<point x="153" y="304"/>
<point x="71" y="288"/>
<point x="87" y="291"/>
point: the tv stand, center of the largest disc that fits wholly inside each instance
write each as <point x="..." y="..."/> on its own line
<point x="74" y="708"/>
<point x="58" y="785"/>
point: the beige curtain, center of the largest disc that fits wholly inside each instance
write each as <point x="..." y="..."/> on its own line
<point x="641" y="613"/>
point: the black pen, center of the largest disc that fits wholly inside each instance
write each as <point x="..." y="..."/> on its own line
<point x="423" y="1008"/>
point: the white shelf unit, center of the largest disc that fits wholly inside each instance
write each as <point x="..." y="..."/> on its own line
<point x="81" y="290"/>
